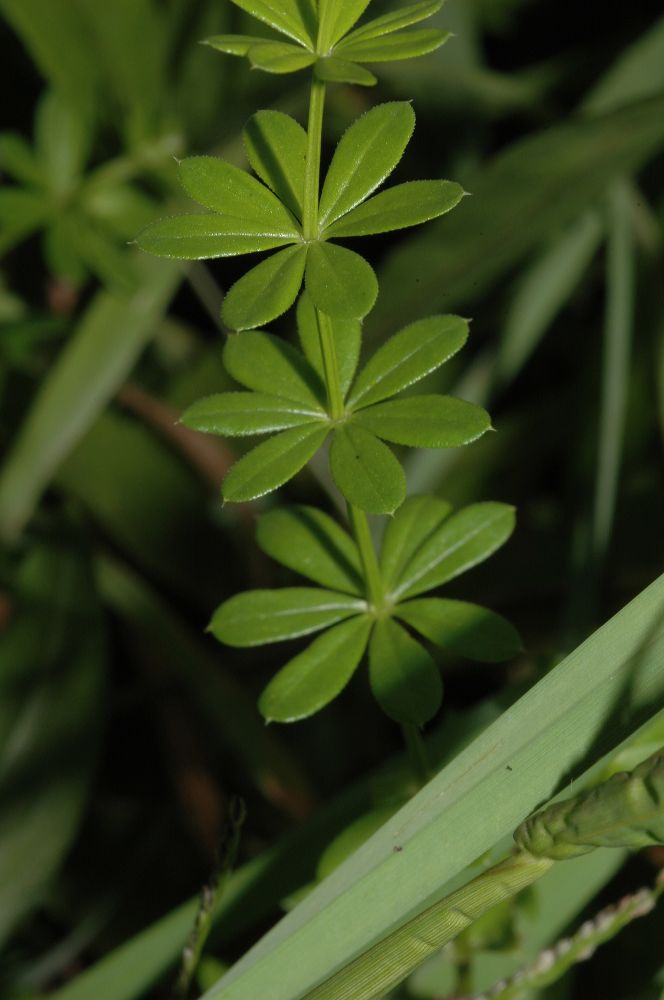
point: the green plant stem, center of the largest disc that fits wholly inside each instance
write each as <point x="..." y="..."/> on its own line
<point x="417" y="752"/>
<point x="312" y="170"/>
<point x="330" y="367"/>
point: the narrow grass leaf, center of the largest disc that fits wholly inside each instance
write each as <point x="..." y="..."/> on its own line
<point x="404" y="678"/>
<point x="367" y="153"/>
<point x="366" y="471"/>
<point x="270" y="365"/>
<point x="313" y="678"/>
<point x="258" y="617"/>
<point x="334" y="70"/>
<point x="265" y="292"/>
<point x="401" y="45"/>
<point x="337" y="17"/>
<point x="340" y="282"/>
<point x="290" y="17"/>
<point x="347" y="341"/>
<point x="233" y="45"/>
<point x="462" y="628"/>
<point x="425" y="421"/>
<point x="280" y="57"/>
<point x="404" y="205"/>
<point x="204" y="237"/>
<point x="236" y="414"/>
<point x="311" y="543"/>
<point x="468" y="537"/>
<point x="415" y="521"/>
<point x="272" y="463"/>
<point x="395" y="20"/>
<point x="407" y="357"/>
<point x="276" y="146"/>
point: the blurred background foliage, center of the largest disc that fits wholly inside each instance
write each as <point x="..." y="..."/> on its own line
<point x="124" y="729"/>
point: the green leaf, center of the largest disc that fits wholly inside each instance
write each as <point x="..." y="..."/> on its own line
<point x="21" y="212"/>
<point x="347" y="340"/>
<point x="462" y="628"/>
<point x="280" y="57"/>
<point x="367" y="153"/>
<point x="340" y="282"/>
<point x="234" y="45"/>
<point x="395" y="20"/>
<point x="352" y="838"/>
<point x="234" y="414"/>
<point x="276" y="146"/>
<point x="291" y="17"/>
<point x="425" y="421"/>
<point x="269" y="365"/>
<point x="337" y="17"/>
<point x="202" y="237"/>
<point x="415" y="521"/>
<point x="366" y="471"/>
<point x="234" y="193"/>
<point x="407" y="357"/>
<point x="258" y="617"/>
<point x="333" y="70"/>
<point x="18" y="160"/>
<point x="404" y="678"/>
<point x="313" y="678"/>
<point x="402" y="45"/>
<point x="467" y="538"/>
<point x="309" y="542"/>
<point x="404" y="205"/>
<point x="63" y="137"/>
<point x="265" y="292"/>
<point x="272" y="463"/>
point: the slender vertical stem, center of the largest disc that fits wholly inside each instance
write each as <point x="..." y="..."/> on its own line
<point x="372" y="577"/>
<point x="312" y="170"/>
<point x="417" y="753"/>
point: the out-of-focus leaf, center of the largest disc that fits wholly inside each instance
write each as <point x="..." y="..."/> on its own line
<point x="234" y="414"/>
<point x="366" y="471"/>
<point x="401" y="45"/>
<point x="269" y="365"/>
<point x="265" y="292"/>
<point x="313" y="678"/>
<point x="21" y="212"/>
<point x="308" y="541"/>
<point x="404" y="679"/>
<point x="334" y="70"/>
<point x="347" y="340"/>
<point x="291" y="17"/>
<point x="367" y="153"/>
<point x="276" y="146"/>
<point x="351" y="839"/>
<point x="280" y="57"/>
<point x="18" y="160"/>
<point x="407" y="357"/>
<point x="395" y="20"/>
<point x="637" y="73"/>
<point x="399" y="207"/>
<point x="425" y="421"/>
<point x="462" y="628"/>
<point x="272" y="463"/>
<point x="340" y="282"/>
<point x="415" y="521"/>
<point x="63" y="137"/>
<point x="258" y="617"/>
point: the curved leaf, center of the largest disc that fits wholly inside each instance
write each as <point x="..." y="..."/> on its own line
<point x="404" y="205"/>
<point x="266" y="291"/>
<point x="269" y="364"/>
<point x="425" y="421"/>
<point x="276" y="146"/>
<point x="366" y="471"/>
<point x="367" y="153"/>
<point x="311" y="680"/>
<point x="462" y="628"/>
<point x="309" y="542"/>
<point x="404" y="678"/>
<point x="272" y="463"/>
<point x="414" y="522"/>
<point x="291" y="17"/>
<point x="234" y="45"/>
<point x="340" y="282"/>
<point x="402" y="45"/>
<point x="408" y="356"/>
<point x="235" y="194"/>
<point x="347" y="340"/>
<point x="258" y="617"/>
<point x="202" y="237"/>
<point x="395" y="20"/>
<point x="280" y="57"/>
<point x="234" y="414"/>
<point x="334" y="70"/>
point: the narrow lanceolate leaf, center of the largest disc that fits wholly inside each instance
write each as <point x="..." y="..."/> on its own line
<point x="268" y="364"/>
<point x="402" y="45"/>
<point x="276" y="146"/>
<point x="407" y="357"/>
<point x="404" y="678"/>
<point x="235" y="414"/>
<point x="340" y="282"/>
<point x="347" y="341"/>
<point x="272" y="463"/>
<point x="294" y="18"/>
<point x="203" y="237"/>
<point x="280" y="57"/>
<point x="415" y="521"/>
<point x="233" y="45"/>
<point x="334" y="70"/>
<point x="311" y="680"/>
<point x="395" y="20"/>
<point x="426" y="421"/>
<point x="234" y="193"/>
<point x="366" y="471"/>
<point x="401" y="206"/>
<point x="308" y="541"/>
<point x="625" y="811"/>
<point x="266" y="291"/>
<point x="258" y="617"/>
<point x="18" y="160"/>
<point x="337" y="17"/>
<point x="468" y="537"/>
<point x="462" y="628"/>
<point x="367" y="153"/>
